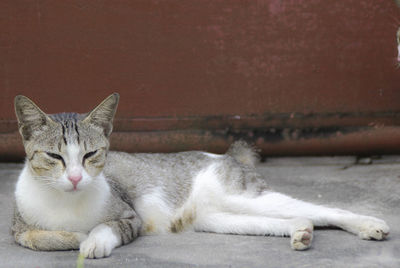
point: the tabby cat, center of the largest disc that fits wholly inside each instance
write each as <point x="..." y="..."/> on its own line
<point x="75" y="194"/>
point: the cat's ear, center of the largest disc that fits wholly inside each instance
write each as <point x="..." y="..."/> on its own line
<point x="102" y="116"/>
<point x="30" y="117"/>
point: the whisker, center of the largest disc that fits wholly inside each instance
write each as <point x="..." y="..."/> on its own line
<point x="96" y="186"/>
<point x="43" y="177"/>
<point x="47" y="181"/>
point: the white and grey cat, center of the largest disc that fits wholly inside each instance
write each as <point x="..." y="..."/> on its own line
<point x="75" y="194"/>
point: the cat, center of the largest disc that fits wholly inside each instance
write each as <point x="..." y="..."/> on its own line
<point x="73" y="193"/>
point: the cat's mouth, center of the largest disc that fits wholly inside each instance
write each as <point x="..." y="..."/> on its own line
<point x="73" y="190"/>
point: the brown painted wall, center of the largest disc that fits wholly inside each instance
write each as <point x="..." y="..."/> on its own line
<point x="296" y="77"/>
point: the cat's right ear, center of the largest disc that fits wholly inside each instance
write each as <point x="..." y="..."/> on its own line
<point x="30" y="117"/>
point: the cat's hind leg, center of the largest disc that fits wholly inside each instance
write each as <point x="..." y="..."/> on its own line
<point x="299" y="229"/>
<point x="272" y="204"/>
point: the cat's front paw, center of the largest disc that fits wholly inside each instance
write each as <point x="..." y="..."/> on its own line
<point x="100" y="243"/>
<point x="95" y="248"/>
<point x="373" y="228"/>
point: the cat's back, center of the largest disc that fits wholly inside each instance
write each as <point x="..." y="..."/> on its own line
<point x="150" y="164"/>
<point x="141" y="173"/>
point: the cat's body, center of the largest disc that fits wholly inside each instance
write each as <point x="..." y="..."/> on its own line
<point x="71" y="194"/>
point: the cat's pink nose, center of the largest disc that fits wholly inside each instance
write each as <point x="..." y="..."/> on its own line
<point x="75" y="179"/>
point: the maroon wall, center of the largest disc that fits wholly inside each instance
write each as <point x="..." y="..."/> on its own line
<point x="296" y="77"/>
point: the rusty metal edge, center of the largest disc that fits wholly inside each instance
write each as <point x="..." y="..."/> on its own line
<point x="288" y="120"/>
<point x="281" y="142"/>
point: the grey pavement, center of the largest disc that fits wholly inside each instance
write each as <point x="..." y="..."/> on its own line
<point x="372" y="189"/>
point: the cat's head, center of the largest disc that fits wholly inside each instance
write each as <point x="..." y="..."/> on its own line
<point x="65" y="151"/>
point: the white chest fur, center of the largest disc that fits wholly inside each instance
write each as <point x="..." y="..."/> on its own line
<point x="49" y="209"/>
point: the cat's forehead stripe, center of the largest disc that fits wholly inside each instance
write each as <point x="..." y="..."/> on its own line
<point x="77" y="132"/>
<point x="63" y="133"/>
<point x="68" y="122"/>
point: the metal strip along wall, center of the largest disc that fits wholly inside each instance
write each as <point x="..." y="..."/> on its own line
<point x="294" y="77"/>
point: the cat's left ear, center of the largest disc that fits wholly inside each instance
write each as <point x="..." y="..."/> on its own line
<point x="103" y="115"/>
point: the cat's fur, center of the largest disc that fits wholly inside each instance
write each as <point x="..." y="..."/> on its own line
<point x="74" y="194"/>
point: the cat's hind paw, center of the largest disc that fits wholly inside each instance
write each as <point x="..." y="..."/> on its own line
<point x="374" y="229"/>
<point x="301" y="239"/>
<point x="302" y="235"/>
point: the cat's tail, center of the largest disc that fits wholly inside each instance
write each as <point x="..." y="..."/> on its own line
<point x="244" y="153"/>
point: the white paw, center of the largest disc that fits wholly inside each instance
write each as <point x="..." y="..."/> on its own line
<point x="100" y="243"/>
<point x="302" y="237"/>
<point x="301" y="240"/>
<point x="373" y="228"/>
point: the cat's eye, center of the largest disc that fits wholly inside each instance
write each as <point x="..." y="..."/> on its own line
<point x="86" y="156"/>
<point x="56" y="156"/>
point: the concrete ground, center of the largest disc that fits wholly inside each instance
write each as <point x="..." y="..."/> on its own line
<point x="372" y="189"/>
